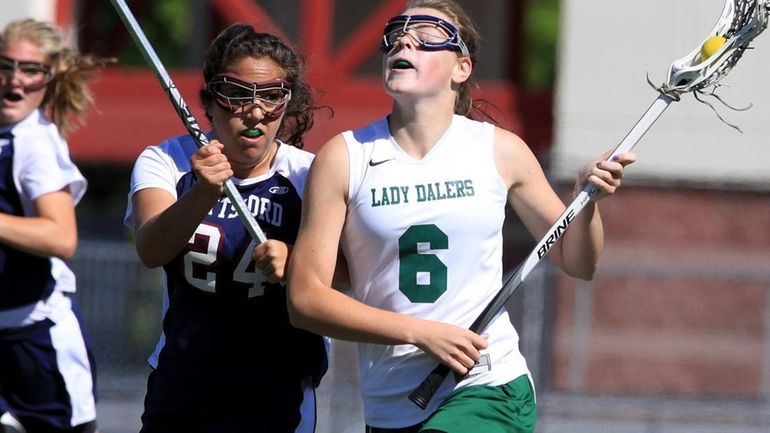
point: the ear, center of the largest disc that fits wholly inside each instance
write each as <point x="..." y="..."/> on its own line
<point x="463" y="69"/>
<point x="207" y="112"/>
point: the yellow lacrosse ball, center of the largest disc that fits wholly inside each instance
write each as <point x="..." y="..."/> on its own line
<point x="711" y="46"/>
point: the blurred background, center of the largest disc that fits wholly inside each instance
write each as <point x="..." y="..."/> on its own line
<point x="673" y="334"/>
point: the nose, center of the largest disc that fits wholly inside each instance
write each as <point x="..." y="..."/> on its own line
<point x="405" y="39"/>
<point x="254" y="110"/>
<point x="255" y="113"/>
<point x="408" y="38"/>
<point x="17" y="76"/>
<point x="10" y="76"/>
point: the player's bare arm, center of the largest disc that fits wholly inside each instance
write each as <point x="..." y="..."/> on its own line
<point x="164" y="225"/>
<point x="535" y="202"/>
<point x="52" y="233"/>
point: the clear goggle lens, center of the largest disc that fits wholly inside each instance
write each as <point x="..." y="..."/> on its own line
<point x="429" y="32"/>
<point x="234" y="94"/>
<point x="31" y="73"/>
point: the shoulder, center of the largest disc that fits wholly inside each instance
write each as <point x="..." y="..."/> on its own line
<point x="333" y="151"/>
<point x="464" y="131"/>
<point x="295" y="156"/>
<point x="329" y="174"/>
<point x="175" y="151"/>
<point x="469" y="125"/>
<point x="293" y="163"/>
<point x="40" y="144"/>
<point x="513" y="158"/>
<point x="162" y="165"/>
<point x="44" y="163"/>
<point x="507" y="141"/>
<point x="179" y="145"/>
<point x="356" y="146"/>
<point x="375" y="130"/>
<point x="332" y="161"/>
<point x="39" y="134"/>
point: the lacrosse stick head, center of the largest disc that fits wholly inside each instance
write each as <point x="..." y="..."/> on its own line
<point x="741" y="21"/>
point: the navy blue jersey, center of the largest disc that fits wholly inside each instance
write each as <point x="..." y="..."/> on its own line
<point x="223" y="321"/>
<point x="46" y="365"/>
<point x="24" y="278"/>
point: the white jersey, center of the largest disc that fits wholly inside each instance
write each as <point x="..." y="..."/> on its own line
<point x="424" y="238"/>
<point x="34" y="161"/>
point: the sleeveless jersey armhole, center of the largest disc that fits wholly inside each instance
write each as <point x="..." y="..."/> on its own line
<point x="488" y="138"/>
<point x="360" y="146"/>
<point x="355" y="169"/>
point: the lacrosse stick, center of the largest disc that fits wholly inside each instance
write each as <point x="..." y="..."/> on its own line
<point x="740" y="23"/>
<point x="184" y="113"/>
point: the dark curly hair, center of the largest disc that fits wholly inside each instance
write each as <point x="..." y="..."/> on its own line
<point x="239" y="41"/>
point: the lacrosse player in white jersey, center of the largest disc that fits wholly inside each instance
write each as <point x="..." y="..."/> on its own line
<point x="416" y="200"/>
<point x="46" y="365"/>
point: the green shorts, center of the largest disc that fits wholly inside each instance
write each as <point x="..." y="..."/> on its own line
<point x="508" y="408"/>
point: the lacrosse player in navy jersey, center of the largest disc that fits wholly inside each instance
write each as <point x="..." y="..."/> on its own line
<point x="228" y="360"/>
<point x="417" y="202"/>
<point x="47" y="372"/>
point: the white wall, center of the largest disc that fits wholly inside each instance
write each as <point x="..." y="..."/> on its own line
<point x="15" y="9"/>
<point x="606" y="49"/>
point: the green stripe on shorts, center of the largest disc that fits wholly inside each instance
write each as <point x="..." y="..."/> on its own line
<point x="508" y="408"/>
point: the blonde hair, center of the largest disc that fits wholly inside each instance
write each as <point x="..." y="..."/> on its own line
<point x="67" y="95"/>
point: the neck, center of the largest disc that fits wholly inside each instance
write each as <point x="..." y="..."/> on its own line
<point x="418" y="127"/>
<point x="243" y="170"/>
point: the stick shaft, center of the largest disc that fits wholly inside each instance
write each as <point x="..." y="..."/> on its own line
<point x="422" y="395"/>
<point x="148" y="52"/>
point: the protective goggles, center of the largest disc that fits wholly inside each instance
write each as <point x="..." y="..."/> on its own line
<point x="31" y="72"/>
<point x="233" y="94"/>
<point x="428" y="32"/>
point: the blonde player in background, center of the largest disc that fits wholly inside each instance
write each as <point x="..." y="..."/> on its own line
<point x="47" y="371"/>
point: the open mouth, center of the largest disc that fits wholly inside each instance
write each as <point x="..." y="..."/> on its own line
<point x="401" y="64"/>
<point x="252" y="133"/>
<point x="12" y="96"/>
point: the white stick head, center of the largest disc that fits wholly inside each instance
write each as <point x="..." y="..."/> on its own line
<point x="740" y="23"/>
